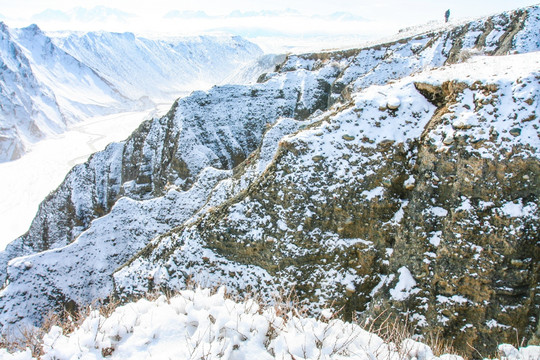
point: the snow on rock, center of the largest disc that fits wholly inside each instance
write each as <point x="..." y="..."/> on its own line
<point x="499" y="105"/>
<point x="513" y="209"/>
<point x="409" y="183"/>
<point x="213" y="131"/>
<point x="414" y="349"/>
<point x="393" y="103"/>
<point x="509" y="352"/>
<point x="86" y="262"/>
<point x="405" y="285"/>
<point x="370" y="194"/>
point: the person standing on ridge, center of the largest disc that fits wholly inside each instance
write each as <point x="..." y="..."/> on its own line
<point x="447" y="15"/>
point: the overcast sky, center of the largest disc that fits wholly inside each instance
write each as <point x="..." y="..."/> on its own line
<point x="330" y="22"/>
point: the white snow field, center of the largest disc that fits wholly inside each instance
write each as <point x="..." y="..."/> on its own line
<point x="196" y="324"/>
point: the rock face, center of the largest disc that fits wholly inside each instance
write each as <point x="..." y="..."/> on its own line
<point x="166" y="171"/>
<point x="387" y="179"/>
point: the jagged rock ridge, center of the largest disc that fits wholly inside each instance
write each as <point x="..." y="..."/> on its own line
<point x="394" y="191"/>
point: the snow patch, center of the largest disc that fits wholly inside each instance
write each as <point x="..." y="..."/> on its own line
<point x="405" y="285"/>
<point x="373" y="193"/>
<point x="513" y="209"/>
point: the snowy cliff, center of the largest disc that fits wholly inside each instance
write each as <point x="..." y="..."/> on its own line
<point x="400" y="177"/>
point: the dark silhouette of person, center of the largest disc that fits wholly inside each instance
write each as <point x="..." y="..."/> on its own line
<point x="447" y="15"/>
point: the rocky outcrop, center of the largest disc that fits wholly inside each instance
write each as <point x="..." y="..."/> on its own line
<point x="368" y="180"/>
<point x="470" y="228"/>
<point x="371" y="220"/>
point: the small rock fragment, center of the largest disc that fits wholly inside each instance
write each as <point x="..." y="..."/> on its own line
<point x="449" y="139"/>
<point x="393" y="103"/>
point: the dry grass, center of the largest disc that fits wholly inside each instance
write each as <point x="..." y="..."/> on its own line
<point x="31" y="337"/>
<point x="466" y="54"/>
<point x="286" y="304"/>
<point x="394" y="330"/>
<point x="440" y="345"/>
<point x="389" y="328"/>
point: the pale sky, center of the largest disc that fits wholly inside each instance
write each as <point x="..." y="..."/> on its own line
<point x="269" y="23"/>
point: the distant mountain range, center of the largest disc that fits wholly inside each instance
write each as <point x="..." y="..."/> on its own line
<point x="103" y="13"/>
<point x="100" y="13"/>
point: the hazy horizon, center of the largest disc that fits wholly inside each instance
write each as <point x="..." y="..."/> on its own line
<point x="274" y="25"/>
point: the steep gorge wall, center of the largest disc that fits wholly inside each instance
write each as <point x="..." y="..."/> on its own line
<point x="152" y="160"/>
<point x="444" y="234"/>
<point x="160" y="177"/>
<point x="440" y="225"/>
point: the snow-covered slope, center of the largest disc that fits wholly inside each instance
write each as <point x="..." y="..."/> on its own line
<point x="44" y="90"/>
<point x="390" y="178"/>
<point x="22" y="97"/>
<point x="79" y="91"/>
<point x="48" y="83"/>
